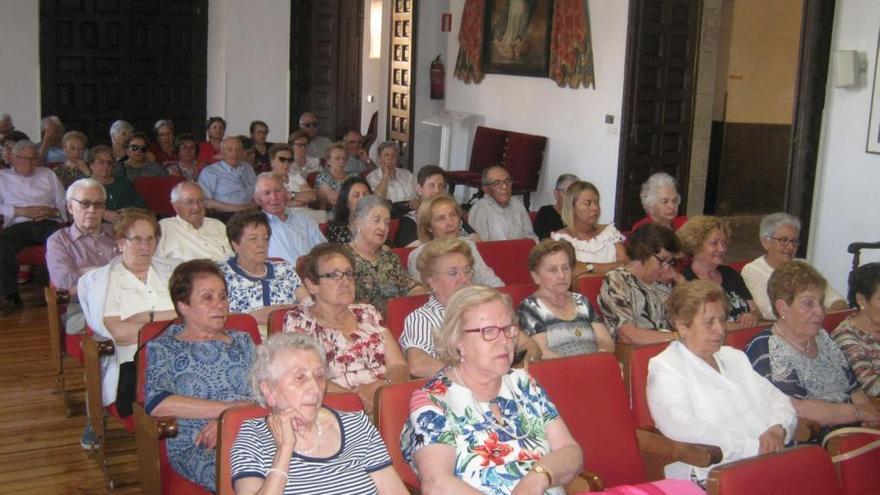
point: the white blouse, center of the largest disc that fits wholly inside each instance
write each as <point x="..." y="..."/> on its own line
<point x="599" y="249"/>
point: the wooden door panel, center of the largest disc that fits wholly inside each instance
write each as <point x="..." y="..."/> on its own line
<point x="401" y="78"/>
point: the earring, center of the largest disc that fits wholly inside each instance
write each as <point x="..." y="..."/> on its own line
<point x="783" y="317"/>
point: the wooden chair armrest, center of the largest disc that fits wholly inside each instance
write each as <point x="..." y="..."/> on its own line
<point x="806" y="430"/>
<point x="148" y="432"/>
<point x="585" y="481"/>
<point x="876" y="402"/>
<point x="658" y="451"/>
<point x="105" y="347"/>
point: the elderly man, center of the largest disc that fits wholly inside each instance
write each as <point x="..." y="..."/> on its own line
<point x="88" y="243"/>
<point x="293" y="234"/>
<point x="358" y="158"/>
<point x="52" y="130"/>
<point x="32" y="204"/>
<point x="190" y="235"/>
<point x="229" y="184"/>
<point x="5" y="124"/>
<point x="497" y="215"/>
<point x="317" y="144"/>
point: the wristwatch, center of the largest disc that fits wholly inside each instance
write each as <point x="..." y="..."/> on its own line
<point x="537" y="468"/>
<point x="590" y="268"/>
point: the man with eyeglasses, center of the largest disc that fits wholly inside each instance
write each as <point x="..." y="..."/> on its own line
<point x="358" y="158"/>
<point x="190" y="235"/>
<point x="33" y="207"/>
<point x="497" y="215"/>
<point x="229" y="184"/>
<point x="72" y="251"/>
<point x="317" y="144"/>
<point x="294" y="234"/>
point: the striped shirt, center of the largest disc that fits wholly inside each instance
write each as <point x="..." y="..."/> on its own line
<point x="346" y="472"/>
<point x="419" y="326"/>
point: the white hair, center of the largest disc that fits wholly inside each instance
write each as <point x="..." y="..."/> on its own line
<point x="120" y="126"/>
<point x="162" y="123"/>
<point x="177" y="189"/>
<point x="262" y="369"/>
<point x="81" y="184"/>
<point x="264" y="176"/>
<point x="650" y="187"/>
<point x="770" y="223"/>
<point x="367" y="203"/>
<point x="52" y="119"/>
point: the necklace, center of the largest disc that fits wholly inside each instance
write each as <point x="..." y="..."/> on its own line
<point x="254" y="275"/>
<point x="803" y="349"/>
<point x="309" y="452"/>
<point x="500" y="423"/>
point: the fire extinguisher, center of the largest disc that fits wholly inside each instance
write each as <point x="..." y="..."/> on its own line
<point x="438" y="77"/>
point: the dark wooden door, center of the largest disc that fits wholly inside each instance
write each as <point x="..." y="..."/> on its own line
<point x="300" y="59"/>
<point x="662" y="46"/>
<point x="137" y="60"/>
<point x="401" y="77"/>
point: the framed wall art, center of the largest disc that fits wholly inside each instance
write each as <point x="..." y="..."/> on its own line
<point x="516" y="37"/>
<point x="874" y="119"/>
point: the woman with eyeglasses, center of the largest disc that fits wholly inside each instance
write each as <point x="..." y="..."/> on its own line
<point x="186" y="166"/>
<point x="780" y="237"/>
<point x="660" y="199"/>
<point x="281" y="157"/>
<point x="480" y="426"/>
<point x="361" y="353"/>
<point x="633" y="296"/>
<point x="137" y="165"/>
<point x="120" y="192"/>
<point x="705" y="238"/>
<point x="302" y="162"/>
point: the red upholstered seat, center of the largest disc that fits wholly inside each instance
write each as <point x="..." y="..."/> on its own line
<point x="156" y="192"/>
<point x="31" y="255"/>
<point x="398" y="309"/>
<point x="589" y="286"/>
<point x="834" y="318"/>
<point x="311" y="178"/>
<point x="275" y="324"/>
<point x="392" y="411"/>
<point x="738" y="265"/>
<point x="73" y="346"/>
<point x="638" y="366"/>
<point x="508" y="259"/>
<point x="806" y="469"/>
<point x="518" y="292"/>
<point x="403" y="254"/>
<point x="393" y="225"/>
<point x="740" y="338"/>
<point x="859" y="474"/>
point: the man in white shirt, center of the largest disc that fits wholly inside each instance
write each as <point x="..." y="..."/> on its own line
<point x="317" y="144"/>
<point x="33" y="207"/>
<point x="497" y="215"/>
<point x="292" y="234"/>
<point x="190" y="235"/>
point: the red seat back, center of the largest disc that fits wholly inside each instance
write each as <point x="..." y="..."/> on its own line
<point x="402" y="253"/>
<point x="508" y="259"/>
<point x="834" y="318"/>
<point x="31" y="255"/>
<point x="523" y="159"/>
<point x="589" y="286"/>
<point x="799" y="470"/>
<point x="638" y="394"/>
<point x="488" y="148"/>
<point x="590" y="397"/>
<point x="392" y="412"/>
<point x="740" y="338"/>
<point x="275" y="323"/>
<point x="860" y="474"/>
<point x="156" y="192"/>
<point x="393" y="225"/>
<point x="312" y="178"/>
<point x="324" y="227"/>
<point x="518" y="292"/>
<point x="738" y="265"/>
<point x="398" y="309"/>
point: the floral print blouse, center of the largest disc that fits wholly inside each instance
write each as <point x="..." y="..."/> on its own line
<point x="379" y="281"/>
<point x="354" y="360"/>
<point x="246" y="293"/>
<point x="490" y="456"/>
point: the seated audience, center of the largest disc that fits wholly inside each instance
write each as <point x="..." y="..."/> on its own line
<point x="51" y="132"/>
<point x="705" y="238"/>
<point x="801" y="360"/>
<point x="561" y="322"/>
<point x="6" y="125"/>
<point x="197" y="370"/>
<point x="190" y="235"/>
<point x="358" y="161"/>
<point x="33" y="207"/>
<point x="498" y="216"/>
<point x="86" y="244"/>
<point x="430" y="181"/>
<point x="259" y="131"/>
<point x="388" y="180"/>
<point x="296" y="448"/>
<point x="380" y="276"/>
<point x="599" y="248"/>
<point x="186" y="166"/>
<point x="660" y="199"/>
<point x="8" y="142"/>
<point x="440" y="218"/>
<point x="295" y="183"/>
<point x="633" y="296"/>
<point x="330" y="180"/>
<point x="318" y="144"/>
<point x="211" y="150"/>
<point x="479" y="425"/>
<point x="137" y="165"/>
<point x="361" y="353"/>
<point x="74" y="168"/>
<point x="549" y="218"/>
<point x="701" y="392"/>
<point x="303" y="162"/>
<point x="858" y="336"/>
<point x="341" y="228"/>
<point x="163" y="149"/>
<point x="779" y="234"/>
<point x="120" y="133"/>
<point x="229" y="183"/>
<point x="120" y="191"/>
<point x="257" y="285"/>
<point x="293" y="233"/>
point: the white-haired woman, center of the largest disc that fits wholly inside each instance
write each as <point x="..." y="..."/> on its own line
<point x="120" y="133"/>
<point x="660" y="199"/>
<point x="780" y="237"/>
<point x="304" y="446"/>
<point x="388" y="181"/>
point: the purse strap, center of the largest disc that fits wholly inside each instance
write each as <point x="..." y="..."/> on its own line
<point x="855" y="452"/>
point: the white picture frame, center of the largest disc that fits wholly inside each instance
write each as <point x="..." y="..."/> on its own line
<point x="873" y="144"/>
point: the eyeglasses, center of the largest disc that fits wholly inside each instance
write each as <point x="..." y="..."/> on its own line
<point x="785" y="242"/>
<point x="309" y="124"/>
<point x="301" y="145"/>
<point x="664" y="263"/>
<point x="491" y="333"/>
<point x="86" y="204"/>
<point x="455" y="272"/>
<point x="28" y="158"/>
<point x="134" y="147"/>
<point x="337" y="275"/>
<point x="284" y="159"/>
<point x="141" y="241"/>
<point x="499" y="182"/>
<point x="189" y="203"/>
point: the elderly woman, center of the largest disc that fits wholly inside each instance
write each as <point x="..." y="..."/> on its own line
<point x="380" y="276"/>
<point x="388" y="181"/>
<point x="280" y="156"/>
<point x="330" y="180"/>
<point x="341" y="228"/>
<point x="120" y="192"/>
<point x="797" y="356"/>
<point x="779" y="235"/>
<point x="430" y="181"/>
<point x="633" y="296"/>
<point x="163" y="148"/>
<point x="445" y="265"/>
<point x="479" y="426"/>
<point x="259" y="132"/>
<point x="599" y="248"/>
<point x="137" y="164"/>
<point x="120" y="133"/>
<point x="51" y="131"/>
<point x="295" y="449"/>
<point x="361" y="353"/>
<point x="74" y="168"/>
<point x="701" y="392"/>
<point x="186" y="166"/>
<point x="211" y="150"/>
<point x="549" y="217"/>
<point x="859" y="335"/>
<point x="197" y="370"/>
<point x="257" y="285"/>
<point x="440" y="218"/>
<point x="705" y="238"/>
<point x="561" y="322"/>
<point x="660" y="199"/>
<point x="302" y="162"/>
<point x="117" y="299"/>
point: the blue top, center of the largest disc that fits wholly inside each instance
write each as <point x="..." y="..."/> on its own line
<point x="293" y="237"/>
<point x="222" y="182"/>
<point x="246" y="293"/>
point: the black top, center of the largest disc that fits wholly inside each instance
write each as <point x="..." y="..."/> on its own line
<point x="547" y="221"/>
<point x="738" y="295"/>
<point x="408" y="230"/>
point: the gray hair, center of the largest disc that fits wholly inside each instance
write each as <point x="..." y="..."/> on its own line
<point x="648" y="194"/>
<point x="120" y="126"/>
<point x="367" y="203"/>
<point x="5" y="116"/>
<point x="52" y="119"/>
<point x="773" y="221"/>
<point x="484" y="177"/>
<point x="388" y="144"/>
<point x="264" y="176"/>
<point x="81" y="184"/>
<point x="565" y="180"/>
<point x="178" y="189"/>
<point x="162" y="123"/>
<point x="262" y="369"/>
<point x="21" y="145"/>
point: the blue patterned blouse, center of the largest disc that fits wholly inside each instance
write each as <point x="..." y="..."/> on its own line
<point x="247" y="293"/>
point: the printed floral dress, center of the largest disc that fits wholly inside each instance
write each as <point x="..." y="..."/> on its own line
<point x="490" y="456"/>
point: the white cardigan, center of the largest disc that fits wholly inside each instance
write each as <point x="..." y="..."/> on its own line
<point x="92" y="290"/>
<point x="691" y="402"/>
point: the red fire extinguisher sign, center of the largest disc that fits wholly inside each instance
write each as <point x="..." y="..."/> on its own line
<point x="438" y="77"/>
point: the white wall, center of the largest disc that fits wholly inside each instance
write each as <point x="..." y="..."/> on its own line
<point x="248" y="60"/>
<point x="846" y="203"/>
<point x="20" y="53"/>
